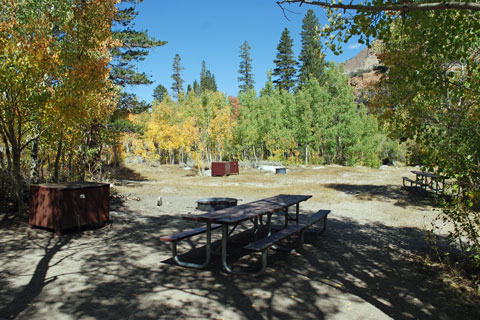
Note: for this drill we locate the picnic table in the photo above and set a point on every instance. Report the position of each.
(255, 212)
(427, 180)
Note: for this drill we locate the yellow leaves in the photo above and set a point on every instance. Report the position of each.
(190, 133)
(34, 58)
(195, 126)
(221, 126)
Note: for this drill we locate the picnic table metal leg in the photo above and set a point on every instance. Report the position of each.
(224, 248)
(315, 232)
(191, 264)
(227, 268)
(324, 225)
(297, 212)
(269, 224)
(302, 240)
(256, 228)
(287, 216)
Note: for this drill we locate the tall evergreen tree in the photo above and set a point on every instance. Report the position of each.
(212, 82)
(135, 48)
(285, 62)
(245, 70)
(207, 79)
(312, 59)
(196, 88)
(177, 85)
(203, 76)
(159, 93)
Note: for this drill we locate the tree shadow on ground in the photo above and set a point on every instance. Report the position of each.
(403, 197)
(127, 177)
(12, 248)
(23, 299)
(365, 267)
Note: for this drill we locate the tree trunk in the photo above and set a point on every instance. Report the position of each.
(34, 164)
(2, 160)
(115, 152)
(199, 163)
(306, 155)
(339, 151)
(18, 181)
(57, 158)
(13, 152)
(15, 173)
(70, 168)
(83, 160)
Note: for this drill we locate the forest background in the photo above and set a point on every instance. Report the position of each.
(64, 115)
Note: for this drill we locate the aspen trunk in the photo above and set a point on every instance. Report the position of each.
(57, 158)
(34, 165)
(115, 152)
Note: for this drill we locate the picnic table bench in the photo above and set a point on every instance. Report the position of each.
(413, 183)
(253, 211)
(264, 244)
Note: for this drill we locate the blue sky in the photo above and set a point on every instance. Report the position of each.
(213, 30)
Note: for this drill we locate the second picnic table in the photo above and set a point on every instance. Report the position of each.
(428, 180)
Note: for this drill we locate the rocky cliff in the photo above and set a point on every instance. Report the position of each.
(361, 70)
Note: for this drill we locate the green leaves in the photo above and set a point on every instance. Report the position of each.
(427, 96)
(319, 123)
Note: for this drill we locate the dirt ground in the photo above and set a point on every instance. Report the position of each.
(367, 265)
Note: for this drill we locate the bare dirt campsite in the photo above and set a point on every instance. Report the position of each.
(369, 264)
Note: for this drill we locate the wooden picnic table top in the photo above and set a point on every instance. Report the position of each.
(250, 210)
(423, 174)
(427, 174)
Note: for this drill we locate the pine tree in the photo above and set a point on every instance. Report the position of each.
(135, 48)
(213, 82)
(311, 57)
(196, 88)
(246, 75)
(286, 65)
(203, 76)
(159, 93)
(207, 79)
(177, 85)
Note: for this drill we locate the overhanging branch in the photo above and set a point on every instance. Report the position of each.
(402, 7)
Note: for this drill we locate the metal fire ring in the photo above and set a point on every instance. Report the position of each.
(209, 204)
